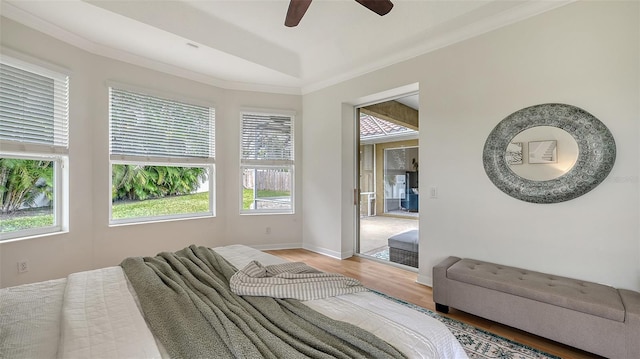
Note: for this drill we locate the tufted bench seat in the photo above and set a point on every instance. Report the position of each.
(593, 317)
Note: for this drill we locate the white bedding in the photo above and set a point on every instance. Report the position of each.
(100, 318)
(415, 334)
(30, 319)
(94, 315)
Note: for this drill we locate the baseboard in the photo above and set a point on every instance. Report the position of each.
(425, 280)
(328, 252)
(276, 246)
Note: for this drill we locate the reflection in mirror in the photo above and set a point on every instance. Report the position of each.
(542, 153)
(596, 153)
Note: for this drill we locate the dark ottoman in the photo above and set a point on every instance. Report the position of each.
(403, 248)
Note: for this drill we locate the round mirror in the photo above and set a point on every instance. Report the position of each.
(549, 153)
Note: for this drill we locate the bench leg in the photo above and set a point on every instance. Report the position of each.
(442, 308)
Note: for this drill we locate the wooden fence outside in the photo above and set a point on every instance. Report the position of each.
(267, 180)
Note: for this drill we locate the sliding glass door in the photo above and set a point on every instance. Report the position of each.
(387, 179)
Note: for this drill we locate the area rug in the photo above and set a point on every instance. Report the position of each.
(380, 253)
(477, 343)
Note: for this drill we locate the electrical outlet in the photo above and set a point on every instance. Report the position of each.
(23, 266)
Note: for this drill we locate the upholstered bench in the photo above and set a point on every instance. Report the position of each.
(403, 248)
(593, 317)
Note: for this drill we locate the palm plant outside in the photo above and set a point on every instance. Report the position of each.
(136, 182)
(166, 186)
(23, 181)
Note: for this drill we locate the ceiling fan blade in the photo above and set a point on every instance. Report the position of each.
(296, 11)
(380, 7)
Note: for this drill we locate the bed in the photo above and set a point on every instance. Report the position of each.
(108, 313)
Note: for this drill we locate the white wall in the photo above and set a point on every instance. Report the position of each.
(91, 243)
(586, 54)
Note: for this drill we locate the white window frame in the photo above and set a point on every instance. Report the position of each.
(208, 163)
(57, 152)
(288, 164)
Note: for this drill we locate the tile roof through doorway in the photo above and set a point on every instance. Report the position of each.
(373, 127)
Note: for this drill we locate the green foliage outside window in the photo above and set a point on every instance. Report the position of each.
(23, 181)
(137, 182)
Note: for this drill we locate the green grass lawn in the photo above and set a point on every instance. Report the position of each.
(247, 196)
(25, 222)
(192, 203)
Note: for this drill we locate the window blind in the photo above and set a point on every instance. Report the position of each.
(267, 137)
(34, 105)
(148, 126)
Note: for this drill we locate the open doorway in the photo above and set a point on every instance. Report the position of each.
(388, 167)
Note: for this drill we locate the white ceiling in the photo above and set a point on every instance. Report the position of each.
(243, 44)
(411, 101)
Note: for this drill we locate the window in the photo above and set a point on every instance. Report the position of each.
(162, 158)
(267, 163)
(34, 118)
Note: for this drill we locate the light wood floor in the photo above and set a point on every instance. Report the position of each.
(401, 284)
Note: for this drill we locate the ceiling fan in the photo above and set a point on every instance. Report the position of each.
(297, 8)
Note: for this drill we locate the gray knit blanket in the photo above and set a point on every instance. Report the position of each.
(291, 280)
(187, 302)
